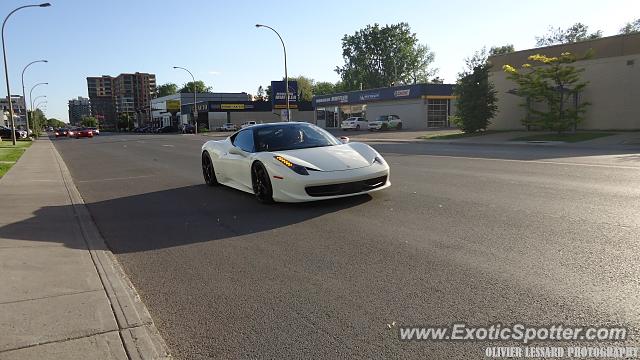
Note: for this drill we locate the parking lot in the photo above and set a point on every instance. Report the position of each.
(475, 234)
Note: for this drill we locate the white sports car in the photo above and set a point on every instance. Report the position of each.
(293, 162)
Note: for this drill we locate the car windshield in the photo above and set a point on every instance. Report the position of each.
(291, 136)
(382, 118)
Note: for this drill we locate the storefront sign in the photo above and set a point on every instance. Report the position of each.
(172, 105)
(402, 93)
(232, 106)
(369, 96)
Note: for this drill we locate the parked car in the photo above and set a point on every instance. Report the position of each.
(228, 127)
(167, 129)
(386, 122)
(248, 123)
(95, 130)
(5, 132)
(61, 132)
(83, 132)
(354, 123)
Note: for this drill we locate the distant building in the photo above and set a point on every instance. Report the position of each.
(19, 110)
(79, 108)
(100, 89)
(125, 94)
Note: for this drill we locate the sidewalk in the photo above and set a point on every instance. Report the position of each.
(62, 294)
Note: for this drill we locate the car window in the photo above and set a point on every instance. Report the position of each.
(244, 140)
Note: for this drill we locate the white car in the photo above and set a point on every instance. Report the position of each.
(354, 123)
(228, 127)
(386, 122)
(248, 123)
(293, 162)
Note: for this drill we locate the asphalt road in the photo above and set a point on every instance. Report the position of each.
(476, 234)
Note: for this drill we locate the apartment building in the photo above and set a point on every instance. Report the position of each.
(128, 94)
(79, 108)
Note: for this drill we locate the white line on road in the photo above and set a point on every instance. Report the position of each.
(537, 162)
(168, 145)
(116, 179)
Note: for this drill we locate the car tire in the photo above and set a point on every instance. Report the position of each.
(384, 127)
(357, 127)
(261, 183)
(399, 126)
(208, 172)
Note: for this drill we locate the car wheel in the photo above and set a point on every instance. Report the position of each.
(384, 127)
(208, 171)
(261, 183)
(357, 127)
(399, 126)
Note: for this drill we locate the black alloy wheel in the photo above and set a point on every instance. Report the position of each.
(261, 183)
(207, 170)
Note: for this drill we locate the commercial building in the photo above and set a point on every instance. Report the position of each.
(78, 109)
(420, 106)
(19, 111)
(612, 73)
(127, 94)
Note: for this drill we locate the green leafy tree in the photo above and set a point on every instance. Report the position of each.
(199, 86)
(54, 123)
(125, 122)
(89, 121)
(323, 88)
(501, 50)
(554, 83)
(477, 99)
(381, 56)
(575, 33)
(631, 27)
(167, 89)
(260, 94)
(305, 87)
(267, 93)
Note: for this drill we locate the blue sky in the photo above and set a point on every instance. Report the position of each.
(217, 40)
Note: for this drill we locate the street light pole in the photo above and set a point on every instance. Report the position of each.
(195, 98)
(286, 75)
(31, 93)
(24, 96)
(6, 70)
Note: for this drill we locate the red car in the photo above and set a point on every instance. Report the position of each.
(88, 133)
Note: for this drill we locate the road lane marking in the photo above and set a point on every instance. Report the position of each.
(168, 145)
(117, 179)
(536, 161)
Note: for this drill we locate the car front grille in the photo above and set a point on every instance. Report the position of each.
(346, 188)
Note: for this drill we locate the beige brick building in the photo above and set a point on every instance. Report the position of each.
(613, 73)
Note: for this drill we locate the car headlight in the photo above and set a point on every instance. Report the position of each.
(295, 167)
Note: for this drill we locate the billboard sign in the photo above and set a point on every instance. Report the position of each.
(172, 105)
(279, 96)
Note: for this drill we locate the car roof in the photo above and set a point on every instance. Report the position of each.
(290, 123)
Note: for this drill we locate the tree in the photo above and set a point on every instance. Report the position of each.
(305, 87)
(323, 88)
(260, 95)
(631, 27)
(125, 122)
(477, 97)
(575, 33)
(54, 123)
(167, 89)
(89, 121)
(381, 56)
(199, 87)
(501, 50)
(554, 83)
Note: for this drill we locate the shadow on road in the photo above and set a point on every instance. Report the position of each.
(195, 214)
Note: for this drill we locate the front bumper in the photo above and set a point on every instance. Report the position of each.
(348, 126)
(291, 187)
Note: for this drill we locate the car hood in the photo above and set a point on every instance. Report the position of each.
(332, 158)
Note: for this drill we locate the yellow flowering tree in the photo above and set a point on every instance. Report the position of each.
(550, 88)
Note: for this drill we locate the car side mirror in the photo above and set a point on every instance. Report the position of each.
(236, 151)
(344, 139)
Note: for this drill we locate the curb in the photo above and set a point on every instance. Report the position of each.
(138, 333)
